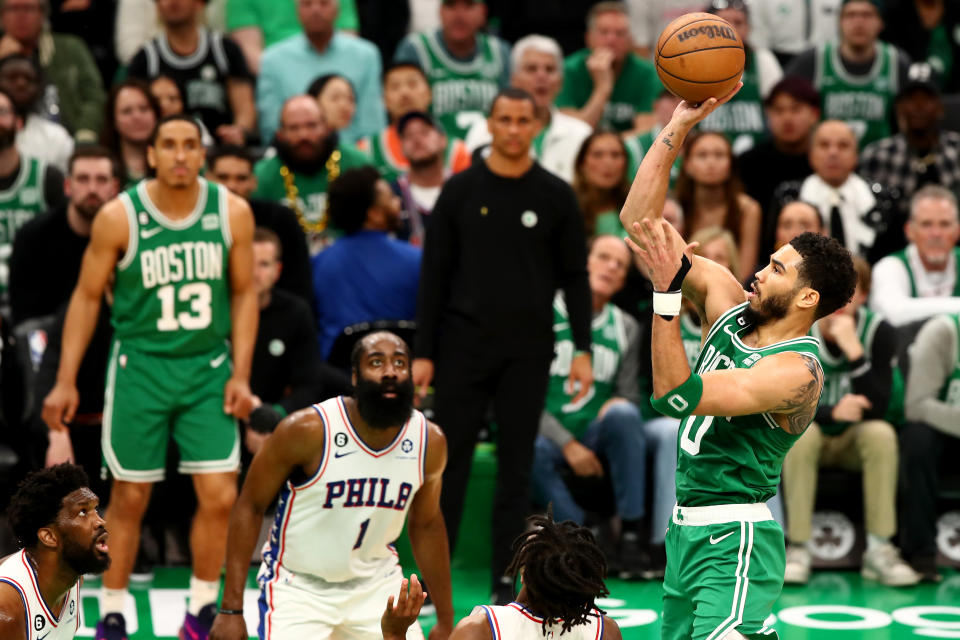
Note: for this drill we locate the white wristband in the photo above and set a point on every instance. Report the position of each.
(667, 303)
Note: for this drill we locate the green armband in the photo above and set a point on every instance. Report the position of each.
(681, 401)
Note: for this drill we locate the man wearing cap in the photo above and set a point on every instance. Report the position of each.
(465, 67)
(741, 119)
(423, 143)
(859, 76)
(792, 109)
(406, 89)
(921, 153)
(537, 68)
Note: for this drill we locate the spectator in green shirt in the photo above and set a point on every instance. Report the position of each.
(257, 24)
(309, 156)
(607, 84)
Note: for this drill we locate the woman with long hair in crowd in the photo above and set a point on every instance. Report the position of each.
(132, 113)
(711, 194)
(600, 182)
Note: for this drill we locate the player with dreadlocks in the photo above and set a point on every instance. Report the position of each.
(562, 572)
(54, 516)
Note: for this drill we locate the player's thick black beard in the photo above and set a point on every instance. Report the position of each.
(83, 560)
(7, 136)
(380, 412)
(771, 308)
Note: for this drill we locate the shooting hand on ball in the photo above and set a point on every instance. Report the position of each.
(688, 115)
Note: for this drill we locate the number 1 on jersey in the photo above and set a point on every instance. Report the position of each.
(363, 532)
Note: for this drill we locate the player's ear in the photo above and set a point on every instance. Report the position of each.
(151, 156)
(809, 298)
(48, 537)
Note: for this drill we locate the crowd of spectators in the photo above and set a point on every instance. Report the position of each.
(453, 171)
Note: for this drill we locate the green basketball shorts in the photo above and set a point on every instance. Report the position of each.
(725, 568)
(150, 397)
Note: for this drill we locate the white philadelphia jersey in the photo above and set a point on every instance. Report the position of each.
(341, 523)
(17, 572)
(516, 622)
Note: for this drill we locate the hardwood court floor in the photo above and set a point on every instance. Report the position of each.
(834, 606)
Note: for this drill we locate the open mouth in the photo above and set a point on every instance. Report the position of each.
(101, 544)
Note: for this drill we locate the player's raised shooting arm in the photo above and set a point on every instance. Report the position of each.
(428, 532)
(12, 623)
(108, 240)
(786, 385)
(296, 443)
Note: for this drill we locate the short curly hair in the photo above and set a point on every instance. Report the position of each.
(39, 498)
(827, 268)
(350, 196)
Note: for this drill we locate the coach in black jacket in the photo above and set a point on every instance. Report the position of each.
(504, 235)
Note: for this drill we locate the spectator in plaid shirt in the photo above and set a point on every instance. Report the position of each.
(921, 153)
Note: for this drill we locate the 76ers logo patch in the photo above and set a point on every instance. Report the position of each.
(340, 439)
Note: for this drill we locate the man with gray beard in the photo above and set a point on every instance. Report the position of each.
(48, 250)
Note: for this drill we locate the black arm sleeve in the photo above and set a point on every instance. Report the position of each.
(303, 379)
(439, 249)
(53, 188)
(804, 65)
(571, 260)
(874, 376)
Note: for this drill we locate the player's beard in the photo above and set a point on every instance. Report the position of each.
(378, 411)
(88, 207)
(85, 559)
(767, 309)
(7, 136)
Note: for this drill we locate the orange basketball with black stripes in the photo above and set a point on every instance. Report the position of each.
(699, 56)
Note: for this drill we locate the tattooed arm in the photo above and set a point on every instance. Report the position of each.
(786, 385)
(649, 189)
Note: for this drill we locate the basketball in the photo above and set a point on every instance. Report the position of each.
(699, 56)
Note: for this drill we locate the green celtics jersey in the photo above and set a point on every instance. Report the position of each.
(902, 257)
(864, 102)
(950, 392)
(462, 91)
(727, 460)
(691, 335)
(607, 346)
(172, 289)
(19, 204)
(633, 92)
(741, 119)
(308, 193)
(637, 147)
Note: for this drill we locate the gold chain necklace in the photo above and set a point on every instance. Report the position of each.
(333, 172)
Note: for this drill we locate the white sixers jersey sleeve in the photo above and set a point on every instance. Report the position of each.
(341, 523)
(516, 622)
(17, 572)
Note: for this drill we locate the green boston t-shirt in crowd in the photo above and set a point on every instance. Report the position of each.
(634, 91)
(278, 20)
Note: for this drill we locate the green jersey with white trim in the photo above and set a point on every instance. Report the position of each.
(733, 460)
(608, 343)
(172, 290)
(863, 102)
(462, 91)
(19, 204)
(950, 392)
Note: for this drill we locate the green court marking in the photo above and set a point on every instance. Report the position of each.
(834, 606)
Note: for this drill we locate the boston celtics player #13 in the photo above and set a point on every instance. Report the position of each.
(179, 252)
(752, 394)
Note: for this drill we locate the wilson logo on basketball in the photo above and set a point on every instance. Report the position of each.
(710, 31)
